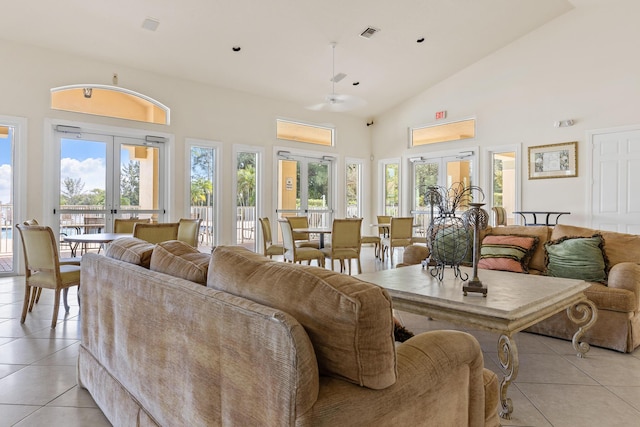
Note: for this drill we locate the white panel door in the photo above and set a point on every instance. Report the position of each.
(616, 180)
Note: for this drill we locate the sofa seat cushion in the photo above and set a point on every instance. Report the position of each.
(179, 259)
(605, 298)
(130, 249)
(507, 253)
(349, 322)
(577, 258)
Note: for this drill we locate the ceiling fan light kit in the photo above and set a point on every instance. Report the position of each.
(334, 101)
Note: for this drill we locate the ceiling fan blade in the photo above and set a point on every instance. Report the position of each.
(338, 103)
(317, 107)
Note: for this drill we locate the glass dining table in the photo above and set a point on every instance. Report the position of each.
(83, 240)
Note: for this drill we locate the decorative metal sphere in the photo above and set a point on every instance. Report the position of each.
(476, 215)
(433, 197)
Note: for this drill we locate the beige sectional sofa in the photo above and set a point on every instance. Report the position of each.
(617, 298)
(264, 343)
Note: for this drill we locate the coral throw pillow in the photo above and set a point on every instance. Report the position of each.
(507, 252)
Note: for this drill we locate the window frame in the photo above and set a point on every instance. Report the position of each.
(217, 186)
(259, 152)
(360, 162)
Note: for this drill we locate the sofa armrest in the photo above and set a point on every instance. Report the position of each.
(626, 275)
(440, 382)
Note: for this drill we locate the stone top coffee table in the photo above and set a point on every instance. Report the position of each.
(514, 302)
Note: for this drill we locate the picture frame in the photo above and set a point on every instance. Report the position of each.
(553, 161)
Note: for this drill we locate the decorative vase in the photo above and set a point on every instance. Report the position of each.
(449, 243)
(449, 235)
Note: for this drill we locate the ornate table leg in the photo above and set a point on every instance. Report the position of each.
(508, 356)
(583, 309)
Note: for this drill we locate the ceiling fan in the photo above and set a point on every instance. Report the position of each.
(335, 101)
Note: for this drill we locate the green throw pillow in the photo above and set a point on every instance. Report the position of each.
(577, 258)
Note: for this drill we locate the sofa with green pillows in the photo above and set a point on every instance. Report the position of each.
(609, 260)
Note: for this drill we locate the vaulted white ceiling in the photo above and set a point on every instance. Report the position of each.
(285, 44)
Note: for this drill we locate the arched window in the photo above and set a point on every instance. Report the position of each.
(109, 101)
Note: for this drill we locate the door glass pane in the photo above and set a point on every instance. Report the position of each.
(139, 178)
(83, 186)
(391, 189)
(6, 199)
(459, 171)
(318, 190)
(425, 175)
(504, 183)
(288, 186)
(246, 185)
(354, 174)
(304, 189)
(202, 196)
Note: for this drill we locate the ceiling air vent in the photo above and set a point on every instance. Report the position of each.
(369, 32)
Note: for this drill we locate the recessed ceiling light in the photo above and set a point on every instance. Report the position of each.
(150, 24)
(236, 48)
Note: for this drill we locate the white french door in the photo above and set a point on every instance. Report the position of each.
(102, 177)
(441, 171)
(12, 192)
(615, 171)
(305, 188)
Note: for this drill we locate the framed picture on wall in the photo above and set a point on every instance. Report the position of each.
(553, 161)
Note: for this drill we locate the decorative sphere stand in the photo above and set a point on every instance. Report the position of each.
(479, 219)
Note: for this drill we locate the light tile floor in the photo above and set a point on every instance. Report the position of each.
(553, 388)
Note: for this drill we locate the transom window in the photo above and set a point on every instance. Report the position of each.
(109, 101)
(452, 131)
(300, 132)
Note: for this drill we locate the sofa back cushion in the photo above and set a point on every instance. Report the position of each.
(180, 259)
(618, 247)
(130, 249)
(537, 260)
(349, 321)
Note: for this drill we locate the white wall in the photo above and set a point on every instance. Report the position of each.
(197, 111)
(583, 66)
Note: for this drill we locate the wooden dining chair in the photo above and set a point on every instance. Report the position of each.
(125, 225)
(73, 260)
(345, 243)
(188, 230)
(400, 233)
(383, 231)
(43, 269)
(295, 254)
(156, 233)
(499, 216)
(268, 247)
(302, 239)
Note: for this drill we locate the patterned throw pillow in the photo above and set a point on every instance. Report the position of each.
(577, 258)
(507, 252)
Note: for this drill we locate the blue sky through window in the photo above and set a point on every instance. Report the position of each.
(83, 159)
(5, 167)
